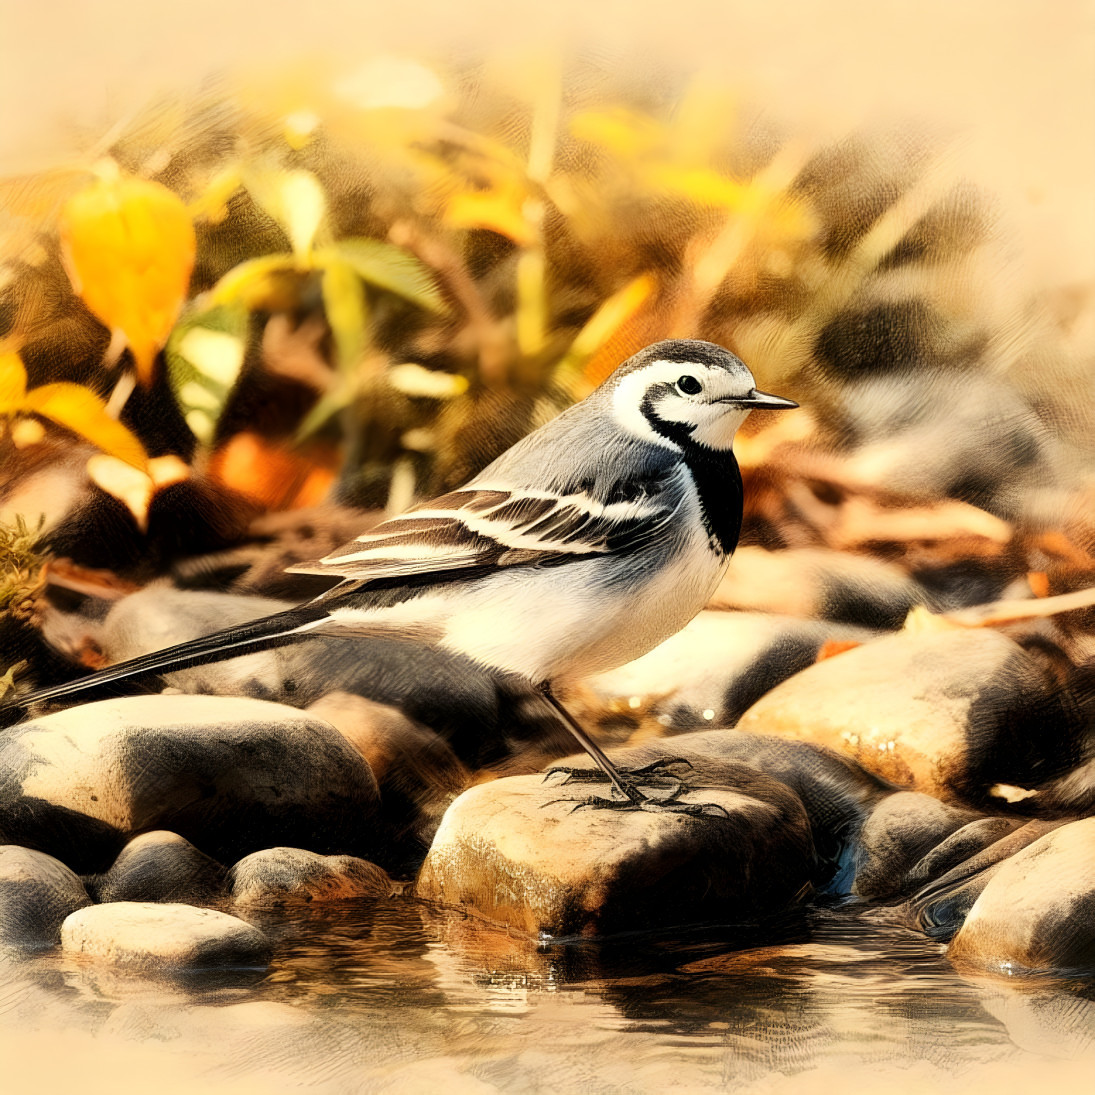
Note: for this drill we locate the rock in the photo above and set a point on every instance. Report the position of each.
(446, 692)
(418, 773)
(37, 892)
(944, 432)
(517, 851)
(820, 584)
(163, 936)
(1037, 913)
(230, 775)
(720, 664)
(897, 834)
(960, 846)
(952, 712)
(837, 793)
(162, 866)
(940, 908)
(279, 876)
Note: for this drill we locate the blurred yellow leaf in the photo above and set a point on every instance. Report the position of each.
(422, 383)
(698, 184)
(295, 199)
(70, 405)
(129, 249)
(623, 132)
(270, 283)
(608, 319)
(84, 413)
(13, 383)
(304, 206)
(499, 209)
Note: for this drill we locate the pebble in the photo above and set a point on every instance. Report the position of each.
(37, 892)
(160, 937)
(280, 876)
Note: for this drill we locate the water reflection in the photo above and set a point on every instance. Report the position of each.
(401, 996)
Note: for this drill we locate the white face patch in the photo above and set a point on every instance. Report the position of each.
(712, 423)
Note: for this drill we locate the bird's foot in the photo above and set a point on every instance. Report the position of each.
(658, 769)
(668, 805)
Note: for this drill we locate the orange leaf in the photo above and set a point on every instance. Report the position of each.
(83, 412)
(13, 383)
(129, 249)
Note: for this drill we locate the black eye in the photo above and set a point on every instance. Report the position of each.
(689, 385)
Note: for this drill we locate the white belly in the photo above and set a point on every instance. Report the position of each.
(567, 621)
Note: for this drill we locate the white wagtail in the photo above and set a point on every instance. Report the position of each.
(580, 548)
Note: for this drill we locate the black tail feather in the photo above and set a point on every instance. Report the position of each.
(266, 632)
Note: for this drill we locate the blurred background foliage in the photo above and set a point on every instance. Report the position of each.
(362, 288)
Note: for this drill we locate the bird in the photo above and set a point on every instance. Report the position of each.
(580, 548)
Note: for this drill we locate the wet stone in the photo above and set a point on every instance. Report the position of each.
(162, 866)
(960, 846)
(719, 665)
(284, 876)
(417, 771)
(901, 829)
(819, 583)
(837, 793)
(1037, 912)
(230, 775)
(518, 852)
(946, 713)
(163, 936)
(940, 908)
(37, 892)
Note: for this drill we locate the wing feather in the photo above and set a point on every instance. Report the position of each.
(487, 528)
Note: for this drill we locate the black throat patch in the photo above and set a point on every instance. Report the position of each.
(716, 475)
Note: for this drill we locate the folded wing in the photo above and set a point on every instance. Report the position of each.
(481, 529)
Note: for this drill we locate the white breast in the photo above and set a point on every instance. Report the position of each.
(570, 620)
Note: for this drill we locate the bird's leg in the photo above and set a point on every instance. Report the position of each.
(624, 780)
(627, 789)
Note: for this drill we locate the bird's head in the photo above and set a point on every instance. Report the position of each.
(685, 392)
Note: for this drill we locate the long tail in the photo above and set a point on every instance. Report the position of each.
(266, 632)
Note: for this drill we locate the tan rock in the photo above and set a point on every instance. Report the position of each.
(163, 936)
(720, 664)
(281, 876)
(944, 713)
(1037, 913)
(229, 774)
(819, 583)
(516, 851)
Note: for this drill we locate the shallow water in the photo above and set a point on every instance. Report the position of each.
(406, 999)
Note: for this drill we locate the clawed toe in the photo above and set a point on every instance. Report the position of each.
(669, 805)
(657, 769)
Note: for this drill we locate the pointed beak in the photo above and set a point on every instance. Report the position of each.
(762, 401)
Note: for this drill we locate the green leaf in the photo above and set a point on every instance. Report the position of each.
(387, 267)
(328, 405)
(347, 314)
(253, 281)
(204, 356)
